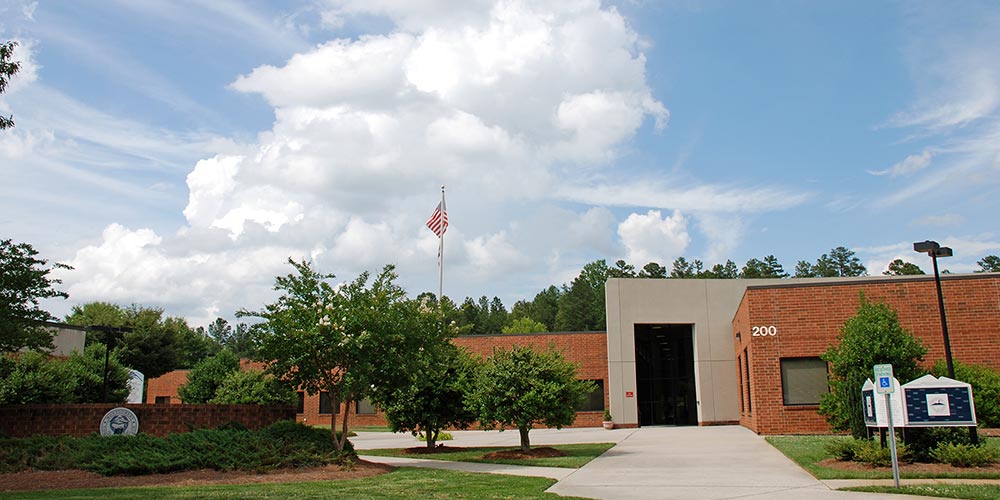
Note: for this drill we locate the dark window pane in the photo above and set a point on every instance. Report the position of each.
(746, 367)
(162, 400)
(328, 405)
(595, 400)
(300, 404)
(803, 380)
(365, 407)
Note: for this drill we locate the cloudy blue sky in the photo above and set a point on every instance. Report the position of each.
(177, 153)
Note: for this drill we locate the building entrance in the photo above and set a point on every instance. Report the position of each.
(664, 374)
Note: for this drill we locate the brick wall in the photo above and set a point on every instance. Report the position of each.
(588, 349)
(808, 318)
(158, 420)
(165, 386)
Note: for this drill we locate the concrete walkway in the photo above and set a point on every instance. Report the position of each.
(652, 462)
(698, 463)
(540, 437)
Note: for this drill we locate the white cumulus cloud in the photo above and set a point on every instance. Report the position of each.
(653, 237)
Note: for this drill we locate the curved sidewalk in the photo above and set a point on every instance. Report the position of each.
(513, 470)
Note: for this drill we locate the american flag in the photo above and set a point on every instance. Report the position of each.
(439, 220)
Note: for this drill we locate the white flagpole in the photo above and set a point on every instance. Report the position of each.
(441, 255)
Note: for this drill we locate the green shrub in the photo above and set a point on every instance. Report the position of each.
(34, 377)
(872, 336)
(253, 387)
(284, 444)
(442, 436)
(963, 455)
(922, 441)
(845, 449)
(205, 378)
(87, 370)
(873, 453)
(985, 383)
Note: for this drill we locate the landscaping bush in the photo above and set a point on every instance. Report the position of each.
(872, 336)
(31, 378)
(87, 370)
(963, 455)
(845, 449)
(253, 387)
(923, 441)
(442, 436)
(284, 444)
(873, 453)
(205, 378)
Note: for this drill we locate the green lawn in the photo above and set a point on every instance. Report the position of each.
(967, 491)
(405, 482)
(576, 455)
(808, 450)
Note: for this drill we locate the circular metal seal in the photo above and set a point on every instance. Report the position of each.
(119, 422)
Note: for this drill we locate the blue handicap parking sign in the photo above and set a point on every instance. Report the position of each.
(884, 382)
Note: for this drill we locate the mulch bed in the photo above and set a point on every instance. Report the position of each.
(544, 452)
(423, 450)
(516, 454)
(919, 468)
(66, 479)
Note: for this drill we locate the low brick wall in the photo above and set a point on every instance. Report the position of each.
(158, 420)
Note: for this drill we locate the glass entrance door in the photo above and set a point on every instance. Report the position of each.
(664, 372)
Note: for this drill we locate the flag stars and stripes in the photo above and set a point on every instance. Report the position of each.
(438, 222)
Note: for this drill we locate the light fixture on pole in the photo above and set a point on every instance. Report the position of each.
(935, 250)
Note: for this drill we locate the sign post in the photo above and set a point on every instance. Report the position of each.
(883, 385)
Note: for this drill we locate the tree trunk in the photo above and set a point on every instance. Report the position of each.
(431, 436)
(333, 431)
(343, 429)
(525, 443)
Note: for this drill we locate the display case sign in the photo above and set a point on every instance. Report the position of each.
(868, 403)
(874, 402)
(944, 402)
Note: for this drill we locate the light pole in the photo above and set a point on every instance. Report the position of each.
(935, 250)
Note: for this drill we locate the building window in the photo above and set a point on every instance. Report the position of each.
(803, 380)
(595, 400)
(365, 407)
(739, 379)
(162, 400)
(746, 378)
(300, 402)
(328, 405)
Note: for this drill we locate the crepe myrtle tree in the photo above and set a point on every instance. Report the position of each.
(348, 340)
(434, 395)
(521, 387)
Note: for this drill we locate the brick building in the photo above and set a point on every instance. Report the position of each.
(588, 349)
(684, 352)
(781, 329)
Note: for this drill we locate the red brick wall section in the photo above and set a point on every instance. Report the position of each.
(158, 420)
(589, 349)
(808, 319)
(166, 386)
